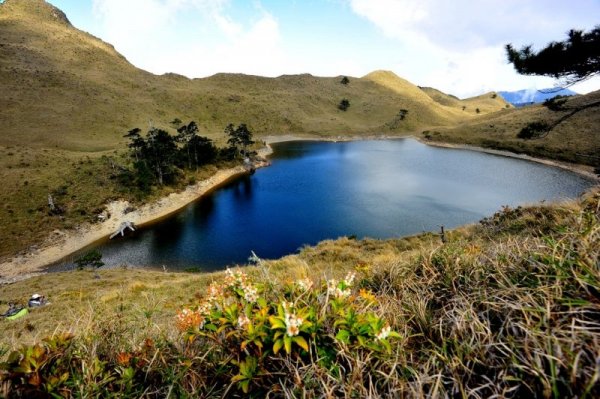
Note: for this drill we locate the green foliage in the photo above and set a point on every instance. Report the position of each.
(92, 259)
(239, 138)
(261, 328)
(344, 105)
(40, 369)
(160, 157)
(198, 150)
(345, 80)
(534, 130)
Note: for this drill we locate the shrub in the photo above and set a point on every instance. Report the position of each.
(533, 130)
(555, 103)
(344, 105)
(345, 80)
(92, 259)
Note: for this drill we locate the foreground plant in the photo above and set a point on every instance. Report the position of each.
(263, 330)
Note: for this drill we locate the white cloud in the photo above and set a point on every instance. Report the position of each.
(459, 45)
(191, 37)
(454, 46)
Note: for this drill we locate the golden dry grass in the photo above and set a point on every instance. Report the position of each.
(575, 140)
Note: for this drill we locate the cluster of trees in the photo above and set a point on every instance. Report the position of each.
(159, 157)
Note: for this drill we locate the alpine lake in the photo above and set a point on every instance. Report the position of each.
(323, 190)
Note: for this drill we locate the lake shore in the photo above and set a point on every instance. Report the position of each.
(61, 244)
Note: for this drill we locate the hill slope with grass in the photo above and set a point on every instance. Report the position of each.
(570, 130)
(62, 80)
(507, 308)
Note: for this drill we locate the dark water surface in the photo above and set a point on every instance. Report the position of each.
(318, 190)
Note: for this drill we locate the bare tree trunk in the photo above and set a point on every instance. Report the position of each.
(51, 203)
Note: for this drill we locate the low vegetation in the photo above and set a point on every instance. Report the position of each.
(508, 307)
(534, 130)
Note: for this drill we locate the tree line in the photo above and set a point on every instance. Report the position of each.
(160, 158)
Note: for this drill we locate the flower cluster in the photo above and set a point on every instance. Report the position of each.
(250, 293)
(239, 280)
(304, 284)
(292, 324)
(292, 321)
(341, 289)
(243, 321)
(187, 319)
(235, 278)
(349, 280)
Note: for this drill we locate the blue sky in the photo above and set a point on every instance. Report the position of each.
(455, 46)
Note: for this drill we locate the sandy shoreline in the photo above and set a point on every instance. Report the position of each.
(62, 244)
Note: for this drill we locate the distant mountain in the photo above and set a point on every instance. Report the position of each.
(520, 98)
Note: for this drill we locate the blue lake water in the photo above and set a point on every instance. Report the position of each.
(319, 190)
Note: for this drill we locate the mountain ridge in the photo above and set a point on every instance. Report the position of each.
(533, 96)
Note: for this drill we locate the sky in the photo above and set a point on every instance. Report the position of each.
(456, 46)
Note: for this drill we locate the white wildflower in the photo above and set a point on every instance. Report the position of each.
(349, 280)
(384, 333)
(293, 324)
(332, 286)
(304, 284)
(250, 293)
(340, 293)
(243, 321)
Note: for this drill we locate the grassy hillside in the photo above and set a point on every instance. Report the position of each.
(508, 307)
(68, 98)
(486, 103)
(576, 139)
(59, 79)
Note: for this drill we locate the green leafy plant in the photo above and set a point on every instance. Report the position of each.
(261, 329)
